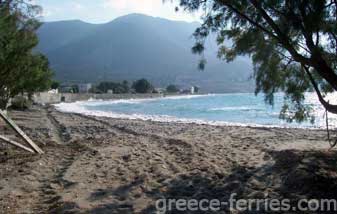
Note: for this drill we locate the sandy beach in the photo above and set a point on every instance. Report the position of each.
(104, 165)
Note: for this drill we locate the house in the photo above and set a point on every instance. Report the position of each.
(191, 90)
(84, 87)
(160, 90)
(66, 89)
(53, 91)
(185, 91)
(194, 89)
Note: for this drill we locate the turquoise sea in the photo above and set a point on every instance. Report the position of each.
(216, 109)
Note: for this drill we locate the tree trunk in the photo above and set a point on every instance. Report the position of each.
(329, 107)
(4, 103)
(325, 71)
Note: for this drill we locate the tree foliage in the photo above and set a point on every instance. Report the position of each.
(142, 86)
(55, 85)
(74, 89)
(293, 45)
(172, 89)
(116, 87)
(21, 70)
(37, 76)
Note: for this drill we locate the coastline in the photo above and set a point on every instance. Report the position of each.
(78, 107)
(45, 98)
(97, 164)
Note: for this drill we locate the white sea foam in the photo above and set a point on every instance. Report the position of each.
(99, 102)
(231, 108)
(187, 96)
(80, 108)
(88, 108)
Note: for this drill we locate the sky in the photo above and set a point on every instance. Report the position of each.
(102, 11)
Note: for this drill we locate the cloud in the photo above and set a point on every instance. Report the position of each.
(101, 11)
(149, 7)
(114, 4)
(133, 5)
(77, 6)
(47, 13)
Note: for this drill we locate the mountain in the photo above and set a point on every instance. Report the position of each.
(138, 46)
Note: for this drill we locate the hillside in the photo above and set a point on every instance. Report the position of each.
(136, 46)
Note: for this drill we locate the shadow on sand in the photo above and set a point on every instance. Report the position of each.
(291, 174)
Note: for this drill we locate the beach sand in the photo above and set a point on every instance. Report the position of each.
(104, 165)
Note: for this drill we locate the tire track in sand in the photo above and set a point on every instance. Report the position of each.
(49, 193)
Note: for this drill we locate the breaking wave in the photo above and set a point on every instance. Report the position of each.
(212, 109)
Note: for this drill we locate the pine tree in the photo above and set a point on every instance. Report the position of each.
(21, 70)
(293, 45)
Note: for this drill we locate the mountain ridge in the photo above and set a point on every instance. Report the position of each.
(133, 47)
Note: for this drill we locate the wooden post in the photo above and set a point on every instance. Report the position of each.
(15, 144)
(21, 133)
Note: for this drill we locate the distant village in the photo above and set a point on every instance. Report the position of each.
(139, 86)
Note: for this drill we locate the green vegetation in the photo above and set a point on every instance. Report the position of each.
(55, 85)
(293, 45)
(172, 89)
(196, 89)
(116, 88)
(74, 89)
(22, 71)
(139, 86)
(142, 86)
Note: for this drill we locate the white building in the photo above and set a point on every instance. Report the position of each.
(84, 88)
(53, 91)
(192, 90)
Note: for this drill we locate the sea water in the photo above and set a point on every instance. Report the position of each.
(244, 109)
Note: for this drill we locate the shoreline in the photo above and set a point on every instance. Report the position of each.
(45, 98)
(196, 122)
(104, 165)
(192, 122)
(70, 108)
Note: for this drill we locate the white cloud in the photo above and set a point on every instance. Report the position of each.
(133, 5)
(101, 11)
(149, 7)
(77, 6)
(47, 13)
(114, 4)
